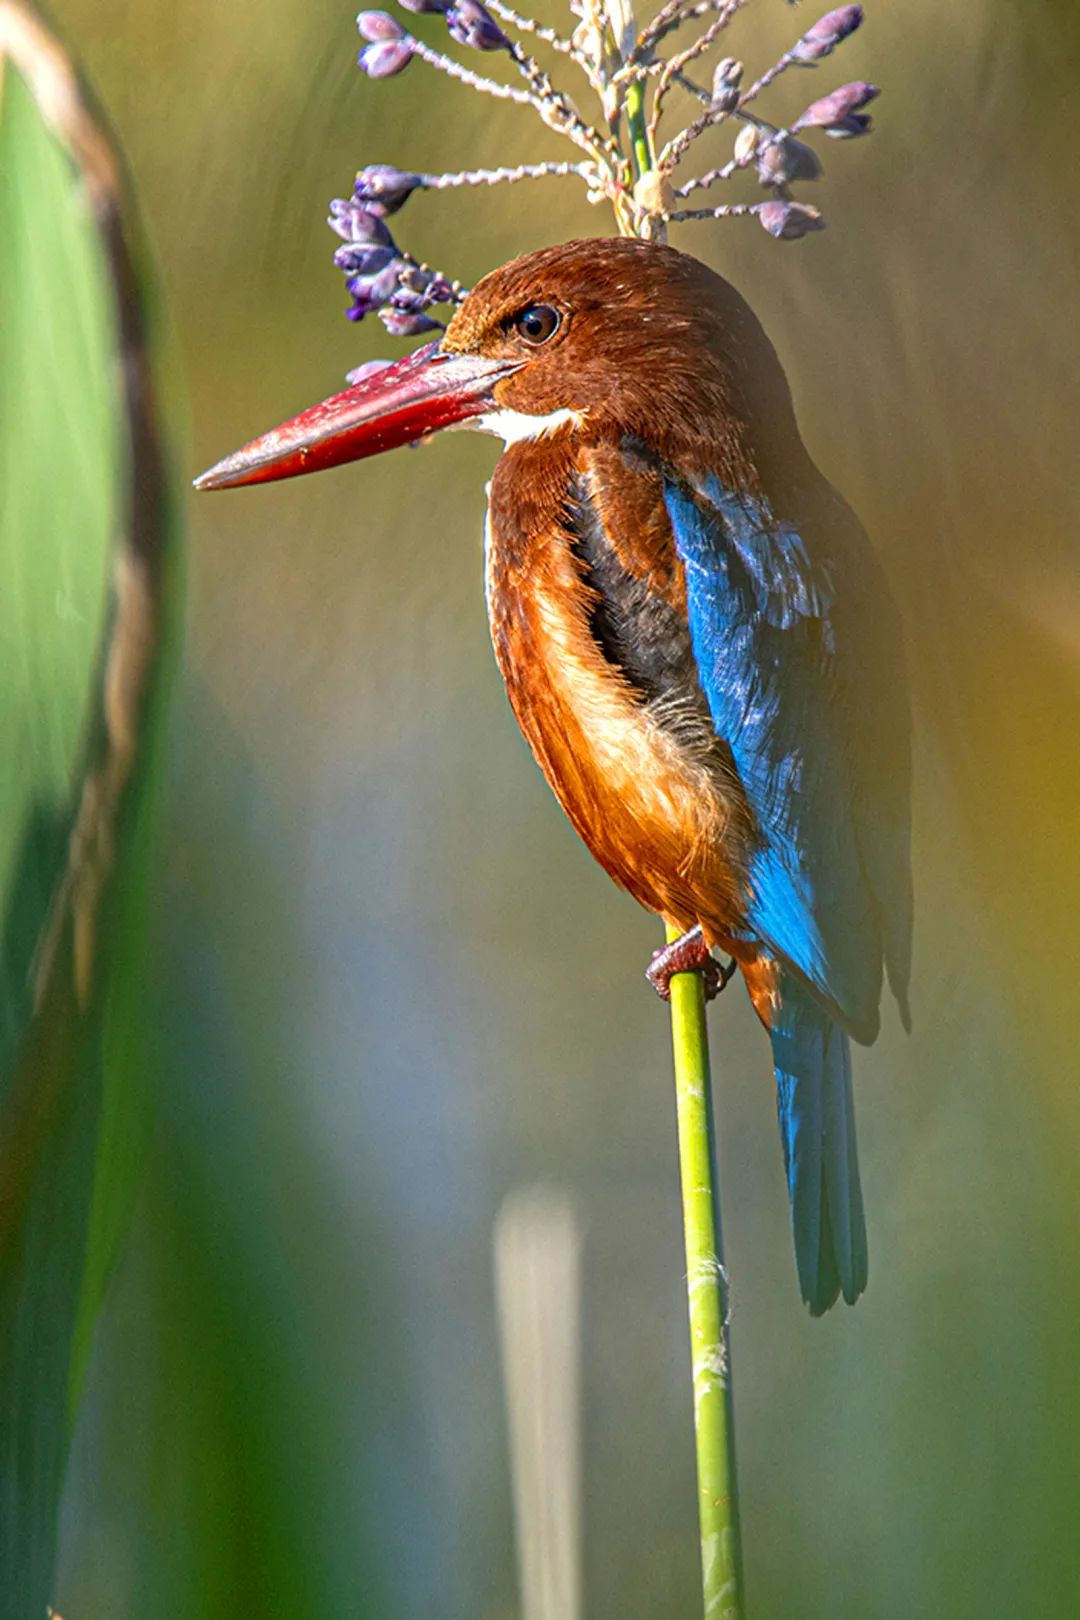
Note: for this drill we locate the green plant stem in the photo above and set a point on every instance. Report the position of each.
(706, 1281)
(635, 123)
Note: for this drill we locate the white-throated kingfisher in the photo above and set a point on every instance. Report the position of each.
(698, 644)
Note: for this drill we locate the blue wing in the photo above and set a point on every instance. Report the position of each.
(798, 654)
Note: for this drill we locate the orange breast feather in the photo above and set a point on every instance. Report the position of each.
(647, 802)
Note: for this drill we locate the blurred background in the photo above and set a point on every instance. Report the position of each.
(394, 988)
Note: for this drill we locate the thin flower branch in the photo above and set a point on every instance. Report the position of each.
(752, 145)
(781, 218)
(684, 58)
(638, 72)
(475, 81)
(548, 36)
(668, 18)
(558, 111)
(494, 177)
(724, 211)
(698, 91)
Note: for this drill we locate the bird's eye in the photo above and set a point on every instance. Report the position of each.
(538, 323)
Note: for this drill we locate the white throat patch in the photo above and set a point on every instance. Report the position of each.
(515, 426)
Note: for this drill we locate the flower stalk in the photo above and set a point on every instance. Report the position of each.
(638, 130)
(707, 1294)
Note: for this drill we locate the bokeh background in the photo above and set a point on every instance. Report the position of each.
(393, 988)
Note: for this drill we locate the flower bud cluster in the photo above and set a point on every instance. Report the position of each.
(379, 277)
(778, 157)
(625, 162)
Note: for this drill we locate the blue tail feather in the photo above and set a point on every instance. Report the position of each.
(816, 1108)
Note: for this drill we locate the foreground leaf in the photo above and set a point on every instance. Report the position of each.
(84, 562)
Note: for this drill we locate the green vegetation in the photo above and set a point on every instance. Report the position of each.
(84, 560)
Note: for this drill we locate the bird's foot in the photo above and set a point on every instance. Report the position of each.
(689, 954)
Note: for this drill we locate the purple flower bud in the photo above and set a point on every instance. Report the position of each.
(385, 58)
(355, 223)
(380, 288)
(782, 162)
(854, 124)
(408, 302)
(725, 85)
(439, 291)
(833, 109)
(828, 32)
(472, 24)
(372, 292)
(357, 259)
(423, 5)
(383, 188)
(416, 293)
(379, 25)
(747, 142)
(370, 368)
(787, 221)
(400, 324)
(421, 287)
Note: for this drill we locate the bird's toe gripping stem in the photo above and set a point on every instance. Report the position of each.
(689, 954)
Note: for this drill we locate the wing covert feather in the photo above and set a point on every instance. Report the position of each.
(798, 654)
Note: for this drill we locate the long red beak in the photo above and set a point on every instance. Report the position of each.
(406, 401)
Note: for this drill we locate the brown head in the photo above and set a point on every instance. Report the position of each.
(632, 338)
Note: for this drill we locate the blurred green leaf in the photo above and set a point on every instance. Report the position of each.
(83, 630)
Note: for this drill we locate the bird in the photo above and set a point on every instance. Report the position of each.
(699, 645)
